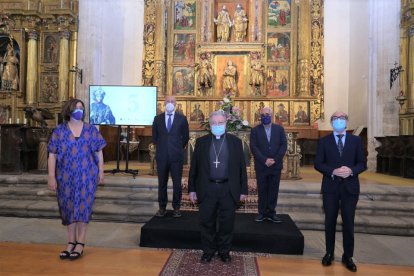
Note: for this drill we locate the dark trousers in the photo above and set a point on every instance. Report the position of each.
(163, 170)
(268, 191)
(219, 207)
(331, 204)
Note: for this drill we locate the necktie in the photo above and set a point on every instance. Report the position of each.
(169, 123)
(340, 144)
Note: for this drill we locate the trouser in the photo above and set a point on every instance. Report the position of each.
(346, 202)
(268, 191)
(219, 207)
(176, 170)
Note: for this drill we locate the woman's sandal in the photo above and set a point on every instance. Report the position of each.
(65, 254)
(75, 254)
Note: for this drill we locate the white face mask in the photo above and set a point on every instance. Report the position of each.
(169, 107)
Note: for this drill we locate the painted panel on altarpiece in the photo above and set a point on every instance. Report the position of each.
(278, 81)
(51, 48)
(197, 112)
(184, 48)
(300, 113)
(278, 47)
(185, 15)
(279, 13)
(256, 107)
(183, 81)
(49, 88)
(281, 111)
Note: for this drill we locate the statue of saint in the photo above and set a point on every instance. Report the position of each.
(230, 79)
(205, 72)
(257, 73)
(224, 24)
(240, 23)
(10, 74)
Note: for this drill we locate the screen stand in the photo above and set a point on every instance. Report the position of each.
(118, 150)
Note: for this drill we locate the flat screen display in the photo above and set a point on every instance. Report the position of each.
(122, 105)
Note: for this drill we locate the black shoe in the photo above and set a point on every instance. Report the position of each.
(327, 259)
(176, 213)
(225, 257)
(274, 218)
(65, 254)
(206, 257)
(260, 218)
(349, 264)
(76, 254)
(161, 212)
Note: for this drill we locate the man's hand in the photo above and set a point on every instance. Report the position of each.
(243, 198)
(343, 172)
(193, 197)
(269, 162)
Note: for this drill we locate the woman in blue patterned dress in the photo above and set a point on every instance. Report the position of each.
(75, 167)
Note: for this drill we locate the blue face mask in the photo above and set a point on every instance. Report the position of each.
(266, 119)
(218, 130)
(339, 125)
(77, 114)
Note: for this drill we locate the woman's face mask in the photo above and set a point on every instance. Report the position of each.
(77, 114)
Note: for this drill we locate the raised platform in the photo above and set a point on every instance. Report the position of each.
(249, 236)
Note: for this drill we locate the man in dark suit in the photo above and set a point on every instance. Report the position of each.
(170, 134)
(217, 181)
(340, 158)
(268, 145)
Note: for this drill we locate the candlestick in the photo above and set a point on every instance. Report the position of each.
(17, 120)
(25, 121)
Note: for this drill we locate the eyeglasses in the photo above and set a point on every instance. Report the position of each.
(218, 123)
(333, 118)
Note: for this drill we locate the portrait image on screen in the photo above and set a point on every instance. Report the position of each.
(122, 105)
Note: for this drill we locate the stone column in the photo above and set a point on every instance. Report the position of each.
(32, 76)
(64, 65)
(72, 63)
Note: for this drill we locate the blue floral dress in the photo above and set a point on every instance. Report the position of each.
(76, 170)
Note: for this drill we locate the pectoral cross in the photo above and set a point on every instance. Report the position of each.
(217, 162)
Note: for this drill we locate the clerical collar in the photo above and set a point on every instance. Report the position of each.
(218, 137)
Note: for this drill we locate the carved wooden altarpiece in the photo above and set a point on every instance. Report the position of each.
(276, 48)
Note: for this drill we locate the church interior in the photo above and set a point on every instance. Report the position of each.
(305, 59)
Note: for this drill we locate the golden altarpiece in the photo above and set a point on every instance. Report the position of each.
(261, 52)
(38, 41)
(406, 96)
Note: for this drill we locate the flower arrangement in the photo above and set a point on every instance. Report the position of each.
(234, 120)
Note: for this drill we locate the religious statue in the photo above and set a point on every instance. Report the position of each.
(256, 73)
(205, 73)
(230, 79)
(9, 74)
(240, 23)
(224, 24)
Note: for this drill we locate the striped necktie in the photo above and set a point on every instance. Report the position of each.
(340, 144)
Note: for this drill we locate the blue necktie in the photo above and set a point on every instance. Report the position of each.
(340, 144)
(169, 123)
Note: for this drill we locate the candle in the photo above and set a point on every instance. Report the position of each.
(9, 120)
(18, 121)
(25, 121)
(56, 118)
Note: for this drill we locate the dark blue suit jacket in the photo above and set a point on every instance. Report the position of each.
(170, 145)
(262, 149)
(327, 159)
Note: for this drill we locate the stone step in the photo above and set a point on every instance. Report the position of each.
(387, 225)
(287, 202)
